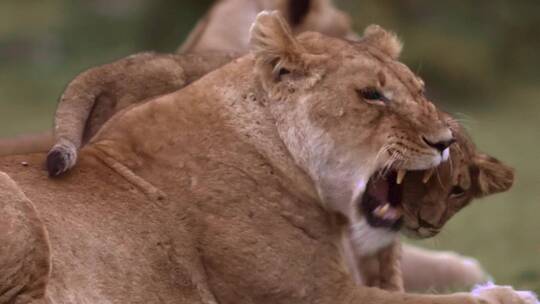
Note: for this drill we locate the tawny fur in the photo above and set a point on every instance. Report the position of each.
(225, 153)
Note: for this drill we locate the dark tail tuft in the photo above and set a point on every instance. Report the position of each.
(60, 159)
(56, 163)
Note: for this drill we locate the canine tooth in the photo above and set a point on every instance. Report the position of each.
(382, 210)
(427, 175)
(400, 176)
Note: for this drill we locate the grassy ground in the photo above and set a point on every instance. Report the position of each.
(503, 231)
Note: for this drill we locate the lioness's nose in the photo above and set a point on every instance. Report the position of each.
(440, 145)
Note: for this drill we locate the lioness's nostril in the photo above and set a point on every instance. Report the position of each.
(439, 145)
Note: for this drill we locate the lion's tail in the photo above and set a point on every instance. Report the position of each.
(61, 158)
(70, 121)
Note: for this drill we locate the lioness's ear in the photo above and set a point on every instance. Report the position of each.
(273, 43)
(490, 175)
(387, 42)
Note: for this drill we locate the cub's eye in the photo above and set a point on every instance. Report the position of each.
(371, 94)
(457, 191)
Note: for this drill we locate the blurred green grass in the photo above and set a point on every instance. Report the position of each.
(479, 60)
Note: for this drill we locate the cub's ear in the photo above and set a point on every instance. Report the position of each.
(385, 41)
(490, 175)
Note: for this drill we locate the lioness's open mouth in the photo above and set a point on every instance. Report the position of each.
(381, 203)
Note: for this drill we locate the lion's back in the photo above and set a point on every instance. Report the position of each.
(101, 230)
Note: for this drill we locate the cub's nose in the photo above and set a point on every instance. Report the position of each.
(439, 145)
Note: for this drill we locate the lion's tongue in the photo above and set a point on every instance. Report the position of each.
(386, 198)
(379, 190)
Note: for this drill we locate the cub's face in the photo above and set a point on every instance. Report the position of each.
(428, 203)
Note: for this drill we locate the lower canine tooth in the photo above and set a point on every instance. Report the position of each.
(400, 176)
(427, 175)
(381, 210)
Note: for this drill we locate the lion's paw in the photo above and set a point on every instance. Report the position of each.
(494, 294)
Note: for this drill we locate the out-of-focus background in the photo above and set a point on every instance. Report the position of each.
(480, 59)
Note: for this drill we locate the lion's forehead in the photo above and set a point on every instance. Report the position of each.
(410, 81)
(351, 55)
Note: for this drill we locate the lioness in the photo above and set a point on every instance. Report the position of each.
(271, 145)
(98, 93)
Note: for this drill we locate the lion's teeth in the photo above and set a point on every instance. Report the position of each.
(400, 176)
(427, 175)
(382, 210)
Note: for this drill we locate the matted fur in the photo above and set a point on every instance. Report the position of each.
(233, 180)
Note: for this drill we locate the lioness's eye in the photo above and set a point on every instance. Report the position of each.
(372, 94)
(457, 191)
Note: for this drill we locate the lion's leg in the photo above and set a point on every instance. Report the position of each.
(428, 270)
(390, 267)
(24, 251)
